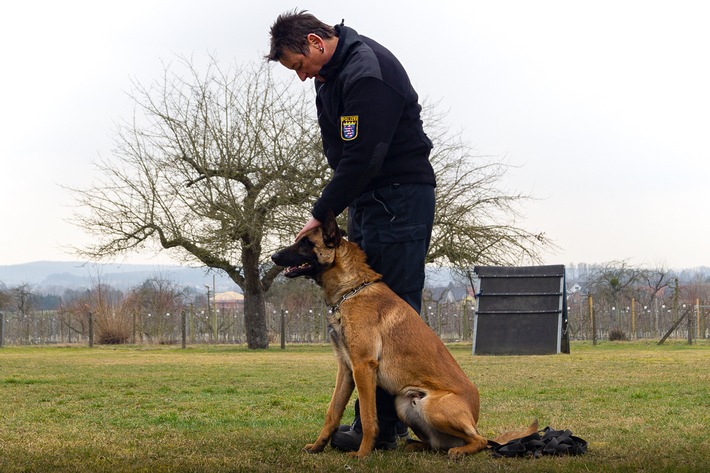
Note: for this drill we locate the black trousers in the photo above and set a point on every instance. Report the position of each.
(393, 226)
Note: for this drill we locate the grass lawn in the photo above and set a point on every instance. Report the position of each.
(642, 407)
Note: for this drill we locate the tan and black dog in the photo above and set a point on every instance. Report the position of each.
(380, 340)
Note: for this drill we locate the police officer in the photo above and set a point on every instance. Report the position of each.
(369, 117)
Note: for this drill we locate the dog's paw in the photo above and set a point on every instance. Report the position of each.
(358, 454)
(455, 455)
(313, 448)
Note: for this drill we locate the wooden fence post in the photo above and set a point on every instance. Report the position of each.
(676, 324)
(283, 330)
(2, 330)
(697, 318)
(591, 316)
(690, 328)
(633, 318)
(91, 330)
(184, 328)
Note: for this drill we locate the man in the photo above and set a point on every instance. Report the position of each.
(369, 116)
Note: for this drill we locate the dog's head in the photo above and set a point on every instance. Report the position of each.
(313, 253)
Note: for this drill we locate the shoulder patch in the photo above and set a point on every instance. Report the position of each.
(348, 127)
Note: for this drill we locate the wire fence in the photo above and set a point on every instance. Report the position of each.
(599, 319)
(450, 321)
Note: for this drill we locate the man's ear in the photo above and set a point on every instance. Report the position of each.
(314, 40)
(331, 232)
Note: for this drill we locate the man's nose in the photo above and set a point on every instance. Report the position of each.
(302, 76)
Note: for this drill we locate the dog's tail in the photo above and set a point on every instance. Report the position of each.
(508, 436)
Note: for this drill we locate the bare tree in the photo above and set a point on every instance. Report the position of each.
(612, 280)
(73, 316)
(657, 280)
(5, 297)
(24, 298)
(476, 219)
(157, 304)
(220, 166)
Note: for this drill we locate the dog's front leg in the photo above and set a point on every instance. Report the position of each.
(365, 376)
(344, 386)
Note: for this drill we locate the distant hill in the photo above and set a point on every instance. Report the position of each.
(52, 277)
(48, 275)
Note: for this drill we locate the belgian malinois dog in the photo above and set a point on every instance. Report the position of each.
(380, 340)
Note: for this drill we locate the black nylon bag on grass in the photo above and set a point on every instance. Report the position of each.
(547, 441)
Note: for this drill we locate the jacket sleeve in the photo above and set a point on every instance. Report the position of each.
(378, 109)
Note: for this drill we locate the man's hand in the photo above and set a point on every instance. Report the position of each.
(310, 225)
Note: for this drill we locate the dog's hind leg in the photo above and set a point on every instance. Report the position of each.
(344, 386)
(452, 416)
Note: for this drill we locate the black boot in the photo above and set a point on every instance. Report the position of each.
(349, 437)
(401, 429)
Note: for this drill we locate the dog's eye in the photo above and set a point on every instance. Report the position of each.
(305, 244)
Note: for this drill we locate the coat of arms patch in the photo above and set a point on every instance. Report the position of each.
(348, 127)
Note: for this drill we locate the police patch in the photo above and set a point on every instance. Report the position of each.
(348, 127)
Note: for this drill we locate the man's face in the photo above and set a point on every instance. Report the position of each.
(305, 66)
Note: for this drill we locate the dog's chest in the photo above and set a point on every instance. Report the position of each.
(337, 337)
(335, 328)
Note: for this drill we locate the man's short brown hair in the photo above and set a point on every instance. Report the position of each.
(290, 33)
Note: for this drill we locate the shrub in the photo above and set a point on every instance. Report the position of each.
(617, 335)
(113, 330)
(113, 337)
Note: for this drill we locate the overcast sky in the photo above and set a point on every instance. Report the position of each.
(603, 107)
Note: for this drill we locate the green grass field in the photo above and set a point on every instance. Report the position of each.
(642, 407)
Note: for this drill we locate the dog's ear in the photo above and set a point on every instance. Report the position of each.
(331, 232)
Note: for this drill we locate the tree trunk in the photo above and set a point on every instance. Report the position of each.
(255, 319)
(257, 332)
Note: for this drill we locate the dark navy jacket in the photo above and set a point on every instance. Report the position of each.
(368, 114)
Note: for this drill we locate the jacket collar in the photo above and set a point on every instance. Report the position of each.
(347, 39)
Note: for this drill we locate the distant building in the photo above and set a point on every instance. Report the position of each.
(451, 294)
(228, 300)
